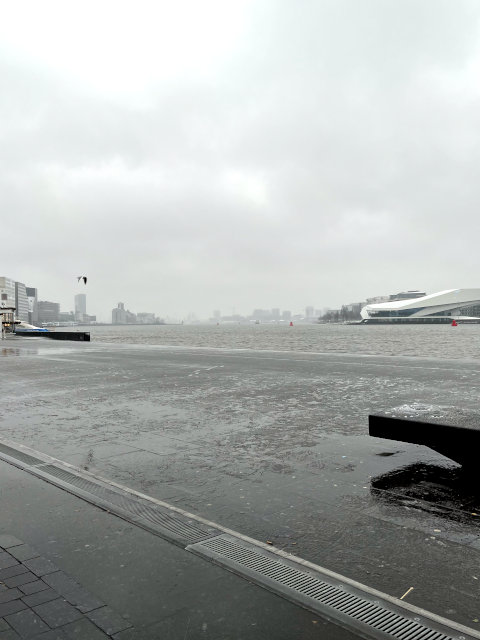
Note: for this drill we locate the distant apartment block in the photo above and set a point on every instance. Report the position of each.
(120, 315)
(262, 314)
(80, 307)
(48, 311)
(145, 318)
(14, 294)
(7, 292)
(32, 297)
(21, 301)
(66, 316)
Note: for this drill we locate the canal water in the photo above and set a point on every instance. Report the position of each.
(427, 341)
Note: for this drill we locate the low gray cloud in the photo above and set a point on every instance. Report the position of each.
(326, 152)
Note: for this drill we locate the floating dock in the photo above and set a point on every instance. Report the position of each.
(78, 336)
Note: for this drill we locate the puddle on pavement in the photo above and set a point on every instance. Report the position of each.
(447, 491)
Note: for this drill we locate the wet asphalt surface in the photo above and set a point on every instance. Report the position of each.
(274, 445)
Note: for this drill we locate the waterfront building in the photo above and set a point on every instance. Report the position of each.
(80, 307)
(441, 307)
(7, 292)
(21, 302)
(120, 315)
(266, 315)
(146, 318)
(48, 311)
(406, 295)
(67, 317)
(14, 294)
(32, 297)
(378, 299)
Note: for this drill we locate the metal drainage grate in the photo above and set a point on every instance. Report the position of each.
(18, 454)
(140, 511)
(327, 598)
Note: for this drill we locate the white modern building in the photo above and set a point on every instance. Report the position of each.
(463, 305)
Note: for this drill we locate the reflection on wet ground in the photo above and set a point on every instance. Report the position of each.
(273, 445)
(16, 351)
(450, 492)
(9, 351)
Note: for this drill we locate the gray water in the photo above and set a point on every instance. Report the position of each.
(437, 341)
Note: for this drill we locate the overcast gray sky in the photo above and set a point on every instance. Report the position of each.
(191, 156)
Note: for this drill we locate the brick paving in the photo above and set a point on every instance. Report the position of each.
(39, 601)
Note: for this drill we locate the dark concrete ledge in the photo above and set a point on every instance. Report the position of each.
(79, 336)
(451, 432)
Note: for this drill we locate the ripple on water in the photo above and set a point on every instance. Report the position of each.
(426, 341)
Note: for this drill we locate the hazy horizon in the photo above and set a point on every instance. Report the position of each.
(192, 156)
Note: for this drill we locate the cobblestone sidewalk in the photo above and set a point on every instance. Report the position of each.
(39, 601)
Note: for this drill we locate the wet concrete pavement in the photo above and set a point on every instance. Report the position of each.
(134, 585)
(271, 444)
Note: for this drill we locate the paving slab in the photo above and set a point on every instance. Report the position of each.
(57, 612)
(83, 630)
(23, 552)
(40, 566)
(33, 587)
(10, 594)
(40, 597)
(14, 570)
(6, 560)
(108, 620)
(6, 608)
(7, 541)
(26, 623)
(20, 579)
(10, 635)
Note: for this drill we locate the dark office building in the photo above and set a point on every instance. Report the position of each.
(48, 311)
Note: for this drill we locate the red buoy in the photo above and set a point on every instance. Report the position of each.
(454, 323)
(291, 323)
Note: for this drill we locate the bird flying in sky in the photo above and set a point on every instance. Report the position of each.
(84, 278)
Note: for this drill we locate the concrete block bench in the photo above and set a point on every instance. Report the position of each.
(454, 433)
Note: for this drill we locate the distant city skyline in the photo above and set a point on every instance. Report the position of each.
(239, 155)
(32, 307)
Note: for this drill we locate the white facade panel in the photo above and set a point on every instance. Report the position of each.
(448, 302)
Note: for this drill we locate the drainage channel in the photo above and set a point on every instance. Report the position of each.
(145, 513)
(365, 611)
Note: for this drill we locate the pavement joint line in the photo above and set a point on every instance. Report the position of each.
(412, 609)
